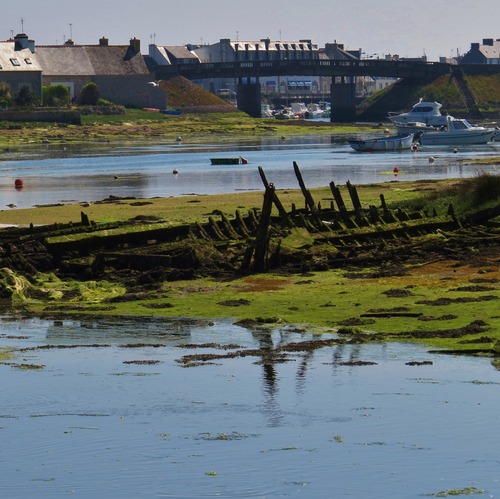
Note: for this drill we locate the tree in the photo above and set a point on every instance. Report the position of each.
(5, 96)
(55, 95)
(26, 97)
(90, 94)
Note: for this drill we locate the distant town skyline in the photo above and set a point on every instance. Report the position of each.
(435, 28)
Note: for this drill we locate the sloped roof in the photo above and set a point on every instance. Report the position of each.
(64, 60)
(90, 60)
(17, 60)
(491, 51)
(116, 60)
(179, 52)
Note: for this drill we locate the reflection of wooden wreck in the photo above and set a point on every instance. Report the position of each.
(310, 238)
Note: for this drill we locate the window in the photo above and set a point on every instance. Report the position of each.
(27, 60)
(14, 61)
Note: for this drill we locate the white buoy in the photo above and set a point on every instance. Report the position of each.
(431, 159)
(178, 139)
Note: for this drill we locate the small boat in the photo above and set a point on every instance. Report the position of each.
(394, 143)
(458, 132)
(266, 111)
(422, 112)
(239, 160)
(298, 109)
(313, 111)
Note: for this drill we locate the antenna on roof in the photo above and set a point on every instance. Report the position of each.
(70, 31)
(22, 25)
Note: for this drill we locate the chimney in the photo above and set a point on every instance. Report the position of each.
(488, 41)
(22, 42)
(135, 45)
(474, 46)
(103, 42)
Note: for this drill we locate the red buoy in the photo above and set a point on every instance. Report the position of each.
(396, 169)
(18, 183)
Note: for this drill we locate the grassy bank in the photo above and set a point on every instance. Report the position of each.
(139, 125)
(188, 209)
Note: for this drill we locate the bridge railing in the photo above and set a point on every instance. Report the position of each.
(324, 67)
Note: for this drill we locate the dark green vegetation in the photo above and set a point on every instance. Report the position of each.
(423, 269)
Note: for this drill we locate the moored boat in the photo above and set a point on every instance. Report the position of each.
(457, 132)
(239, 160)
(428, 113)
(393, 143)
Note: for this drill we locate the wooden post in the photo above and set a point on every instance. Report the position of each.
(262, 239)
(354, 196)
(307, 196)
(276, 201)
(337, 196)
(85, 219)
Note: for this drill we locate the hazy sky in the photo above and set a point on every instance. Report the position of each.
(410, 29)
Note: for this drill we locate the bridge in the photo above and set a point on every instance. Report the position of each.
(342, 95)
(343, 72)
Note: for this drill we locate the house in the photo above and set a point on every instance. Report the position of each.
(19, 66)
(171, 54)
(119, 71)
(227, 50)
(487, 52)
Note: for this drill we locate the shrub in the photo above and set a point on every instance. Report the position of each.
(5, 96)
(90, 94)
(26, 97)
(55, 95)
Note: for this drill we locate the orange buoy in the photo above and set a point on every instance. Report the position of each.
(18, 183)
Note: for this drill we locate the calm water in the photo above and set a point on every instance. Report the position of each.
(91, 425)
(61, 174)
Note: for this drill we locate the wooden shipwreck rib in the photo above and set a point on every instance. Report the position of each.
(257, 241)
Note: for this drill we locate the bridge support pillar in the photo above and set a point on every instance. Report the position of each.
(248, 97)
(343, 100)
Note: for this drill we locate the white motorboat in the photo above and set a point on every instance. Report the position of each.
(457, 132)
(394, 143)
(266, 111)
(422, 112)
(313, 111)
(299, 109)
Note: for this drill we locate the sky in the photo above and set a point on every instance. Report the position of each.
(378, 27)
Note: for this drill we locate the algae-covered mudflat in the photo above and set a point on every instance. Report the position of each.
(440, 288)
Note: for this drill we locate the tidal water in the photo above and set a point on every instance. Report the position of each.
(68, 173)
(108, 411)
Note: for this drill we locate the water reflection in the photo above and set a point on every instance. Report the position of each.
(103, 421)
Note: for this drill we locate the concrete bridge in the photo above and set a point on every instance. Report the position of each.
(343, 72)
